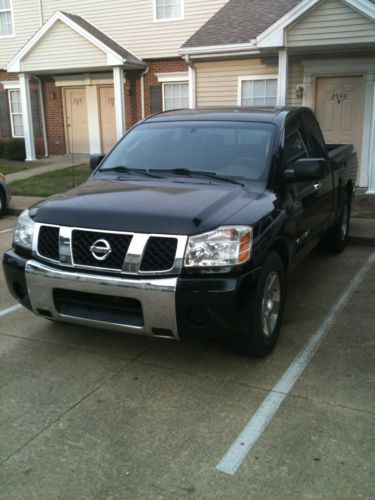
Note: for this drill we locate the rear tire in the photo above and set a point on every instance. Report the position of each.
(267, 308)
(337, 237)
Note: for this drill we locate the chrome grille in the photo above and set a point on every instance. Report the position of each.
(83, 240)
(48, 242)
(130, 253)
(159, 254)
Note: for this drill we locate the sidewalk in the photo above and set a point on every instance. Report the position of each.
(51, 165)
(362, 231)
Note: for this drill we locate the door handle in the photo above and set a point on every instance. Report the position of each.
(317, 186)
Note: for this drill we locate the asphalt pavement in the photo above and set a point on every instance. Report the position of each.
(89, 413)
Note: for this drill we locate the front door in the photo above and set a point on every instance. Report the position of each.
(339, 109)
(77, 121)
(107, 118)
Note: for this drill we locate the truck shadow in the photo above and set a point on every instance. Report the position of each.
(313, 288)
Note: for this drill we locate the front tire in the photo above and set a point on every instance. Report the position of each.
(266, 309)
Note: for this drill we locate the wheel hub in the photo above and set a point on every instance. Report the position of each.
(271, 303)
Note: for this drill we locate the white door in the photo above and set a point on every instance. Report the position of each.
(76, 121)
(339, 109)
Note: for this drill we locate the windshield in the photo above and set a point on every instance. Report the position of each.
(236, 150)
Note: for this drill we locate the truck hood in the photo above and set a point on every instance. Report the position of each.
(146, 206)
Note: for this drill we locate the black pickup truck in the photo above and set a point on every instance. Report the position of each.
(188, 227)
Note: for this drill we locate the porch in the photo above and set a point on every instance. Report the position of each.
(90, 70)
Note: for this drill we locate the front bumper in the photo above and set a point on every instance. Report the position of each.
(170, 307)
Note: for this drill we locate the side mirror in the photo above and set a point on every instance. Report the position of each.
(95, 160)
(307, 169)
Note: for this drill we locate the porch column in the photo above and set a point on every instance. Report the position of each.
(119, 90)
(371, 156)
(192, 87)
(27, 117)
(283, 78)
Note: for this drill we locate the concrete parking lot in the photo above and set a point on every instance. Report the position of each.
(95, 414)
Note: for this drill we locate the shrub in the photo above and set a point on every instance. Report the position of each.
(2, 145)
(15, 150)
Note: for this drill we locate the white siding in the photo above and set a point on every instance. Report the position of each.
(58, 50)
(217, 82)
(331, 23)
(26, 23)
(130, 22)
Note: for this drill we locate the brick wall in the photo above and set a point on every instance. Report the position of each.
(133, 86)
(53, 107)
(164, 66)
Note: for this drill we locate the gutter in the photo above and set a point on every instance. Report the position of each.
(43, 115)
(215, 49)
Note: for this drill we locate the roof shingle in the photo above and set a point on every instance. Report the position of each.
(239, 21)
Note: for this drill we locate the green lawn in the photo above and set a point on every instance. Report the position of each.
(6, 169)
(11, 167)
(51, 182)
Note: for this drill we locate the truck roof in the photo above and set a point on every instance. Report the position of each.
(266, 115)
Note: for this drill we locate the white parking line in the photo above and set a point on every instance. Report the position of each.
(9, 310)
(241, 447)
(7, 230)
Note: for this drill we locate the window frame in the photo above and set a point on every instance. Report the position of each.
(11, 113)
(247, 78)
(12, 17)
(169, 19)
(294, 125)
(173, 82)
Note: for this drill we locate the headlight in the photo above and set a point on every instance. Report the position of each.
(23, 235)
(225, 246)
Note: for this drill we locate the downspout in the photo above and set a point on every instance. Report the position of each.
(143, 74)
(43, 116)
(192, 83)
(41, 12)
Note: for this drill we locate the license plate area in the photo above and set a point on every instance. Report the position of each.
(97, 307)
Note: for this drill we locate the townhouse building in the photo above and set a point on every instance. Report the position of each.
(75, 75)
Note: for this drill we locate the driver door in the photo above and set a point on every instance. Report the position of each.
(303, 196)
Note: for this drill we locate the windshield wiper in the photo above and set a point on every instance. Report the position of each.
(189, 173)
(127, 170)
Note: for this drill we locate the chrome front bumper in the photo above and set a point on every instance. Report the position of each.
(156, 295)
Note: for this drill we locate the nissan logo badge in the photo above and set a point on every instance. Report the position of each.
(100, 250)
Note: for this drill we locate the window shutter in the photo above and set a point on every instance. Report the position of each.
(35, 112)
(5, 127)
(155, 99)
